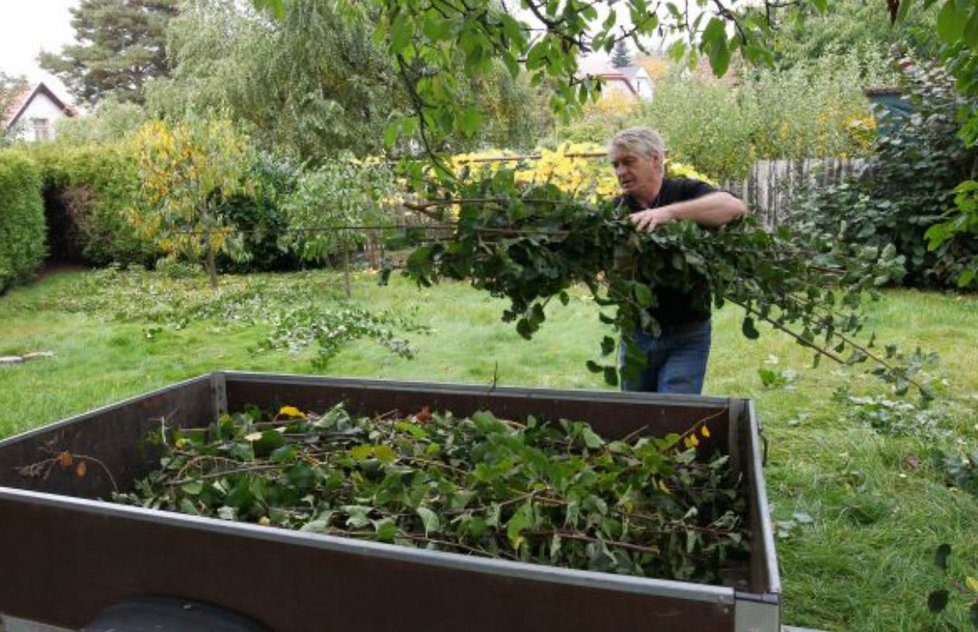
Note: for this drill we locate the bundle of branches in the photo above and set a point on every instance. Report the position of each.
(549, 493)
(531, 244)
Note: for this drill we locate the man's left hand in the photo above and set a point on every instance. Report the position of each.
(650, 218)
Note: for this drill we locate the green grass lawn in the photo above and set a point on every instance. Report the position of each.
(859, 509)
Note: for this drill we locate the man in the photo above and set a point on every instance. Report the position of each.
(676, 359)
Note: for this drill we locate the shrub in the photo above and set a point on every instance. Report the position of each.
(908, 184)
(112, 121)
(22, 247)
(96, 186)
(703, 125)
(814, 109)
(331, 204)
(721, 127)
(259, 214)
(188, 172)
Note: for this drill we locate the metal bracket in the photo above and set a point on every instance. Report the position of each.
(756, 616)
(219, 391)
(12, 624)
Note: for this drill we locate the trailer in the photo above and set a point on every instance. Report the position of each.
(70, 560)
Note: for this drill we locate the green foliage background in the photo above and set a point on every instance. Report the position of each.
(814, 109)
(22, 246)
(118, 48)
(908, 185)
(95, 186)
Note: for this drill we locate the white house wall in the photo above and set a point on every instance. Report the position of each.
(40, 107)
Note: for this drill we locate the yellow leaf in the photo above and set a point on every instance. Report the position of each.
(362, 452)
(705, 431)
(254, 436)
(264, 521)
(291, 411)
(972, 583)
(385, 454)
(663, 487)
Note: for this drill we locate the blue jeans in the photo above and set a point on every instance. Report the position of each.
(675, 361)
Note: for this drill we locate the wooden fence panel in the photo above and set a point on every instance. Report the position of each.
(768, 189)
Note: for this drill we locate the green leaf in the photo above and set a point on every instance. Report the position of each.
(522, 519)
(300, 476)
(822, 6)
(401, 32)
(468, 121)
(950, 22)
(192, 488)
(385, 454)
(429, 519)
(748, 329)
(270, 440)
(385, 530)
(591, 439)
(971, 29)
(275, 7)
(715, 46)
(283, 454)
(390, 133)
(643, 295)
(357, 515)
(537, 55)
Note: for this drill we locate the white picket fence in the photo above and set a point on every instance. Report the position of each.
(771, 183)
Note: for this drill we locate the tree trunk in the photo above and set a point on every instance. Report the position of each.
(212, 268)
(346, 270)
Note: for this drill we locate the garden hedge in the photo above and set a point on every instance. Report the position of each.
(97, 185)
(22, 229)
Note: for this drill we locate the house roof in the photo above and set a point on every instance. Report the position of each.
(630, 72)
(619, 76)
(24, 98)
(608, 72)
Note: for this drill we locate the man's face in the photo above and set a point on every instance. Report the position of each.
(637, 174)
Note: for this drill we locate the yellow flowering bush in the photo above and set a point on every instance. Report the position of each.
(581, 169)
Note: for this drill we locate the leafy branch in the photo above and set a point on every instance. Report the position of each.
(552, 493)
(532, 243)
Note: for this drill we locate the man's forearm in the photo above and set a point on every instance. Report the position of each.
(711, 210)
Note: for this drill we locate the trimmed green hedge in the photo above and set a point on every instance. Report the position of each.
(22, 232)
(97, 185)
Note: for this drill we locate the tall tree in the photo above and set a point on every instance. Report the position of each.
(316, 83)
(10, 87)
(621, 57)
(120, 46)
(854, 27)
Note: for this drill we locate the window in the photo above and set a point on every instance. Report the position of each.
(42, 128)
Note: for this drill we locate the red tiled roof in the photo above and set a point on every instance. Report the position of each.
(16, 105)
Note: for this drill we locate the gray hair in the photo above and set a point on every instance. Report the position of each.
(644, 141)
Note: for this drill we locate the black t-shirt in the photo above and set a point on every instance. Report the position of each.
(676, 307)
